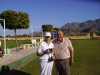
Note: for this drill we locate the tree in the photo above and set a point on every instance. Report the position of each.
(47, 28)
(1, 36)
(56, 29)
(15, 20)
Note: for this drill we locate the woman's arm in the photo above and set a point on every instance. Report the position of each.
(41, 53)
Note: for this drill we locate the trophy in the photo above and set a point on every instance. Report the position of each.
(51, 52)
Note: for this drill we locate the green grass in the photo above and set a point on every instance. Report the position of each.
(87, 57)
(87, 60)
(12, 44)
(35, 69)
(31, 69)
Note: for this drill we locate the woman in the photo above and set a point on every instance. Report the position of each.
(45, 53)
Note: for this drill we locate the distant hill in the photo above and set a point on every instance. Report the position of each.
(74, 28)
(37, 33)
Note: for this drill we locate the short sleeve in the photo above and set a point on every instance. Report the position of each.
(70, 45)
(39, 49)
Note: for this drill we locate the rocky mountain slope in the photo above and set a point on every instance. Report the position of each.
(75, 28)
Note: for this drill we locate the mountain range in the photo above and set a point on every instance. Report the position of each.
(75, 28)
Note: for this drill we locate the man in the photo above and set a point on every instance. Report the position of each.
(64, 54)
(44, 51)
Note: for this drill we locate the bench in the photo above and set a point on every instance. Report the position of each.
(25, 46)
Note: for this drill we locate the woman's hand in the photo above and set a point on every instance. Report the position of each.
(47, 51)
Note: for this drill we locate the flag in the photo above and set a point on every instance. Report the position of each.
(55, 35)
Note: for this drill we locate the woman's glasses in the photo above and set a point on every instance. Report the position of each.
(47, 37)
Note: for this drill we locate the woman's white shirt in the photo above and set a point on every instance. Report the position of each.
(42, 47)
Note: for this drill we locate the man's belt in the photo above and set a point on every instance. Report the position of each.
(61, 59)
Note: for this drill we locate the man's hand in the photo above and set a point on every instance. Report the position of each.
(71, 62)
(71, 58)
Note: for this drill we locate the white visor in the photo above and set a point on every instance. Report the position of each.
(47, 34)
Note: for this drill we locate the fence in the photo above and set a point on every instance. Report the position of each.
(95, 36)
(79, 37)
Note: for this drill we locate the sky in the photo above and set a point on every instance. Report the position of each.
(55, 12)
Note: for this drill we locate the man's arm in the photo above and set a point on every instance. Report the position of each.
(71, 58)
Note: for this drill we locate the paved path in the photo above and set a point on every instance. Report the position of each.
(13, 56)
